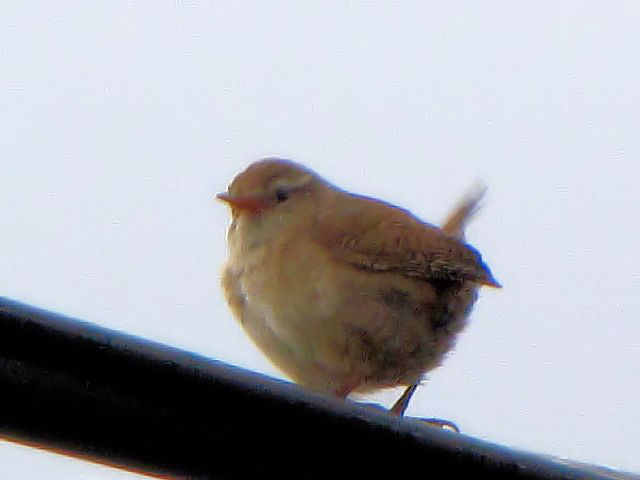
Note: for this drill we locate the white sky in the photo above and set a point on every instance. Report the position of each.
(121, 120)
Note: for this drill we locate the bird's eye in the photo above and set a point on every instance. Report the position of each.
(282, 195)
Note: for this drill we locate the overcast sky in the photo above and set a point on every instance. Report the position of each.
(121, 120)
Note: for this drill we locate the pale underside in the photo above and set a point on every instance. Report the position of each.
(341, 314)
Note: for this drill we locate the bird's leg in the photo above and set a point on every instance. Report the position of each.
(403, 402)
(343, 391)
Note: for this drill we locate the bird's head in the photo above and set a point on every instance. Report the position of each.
(271, 185)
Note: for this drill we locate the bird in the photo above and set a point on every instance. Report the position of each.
(342, 292)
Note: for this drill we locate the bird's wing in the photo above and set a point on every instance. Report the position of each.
(389, 239)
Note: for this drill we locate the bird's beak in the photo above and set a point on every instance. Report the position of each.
(247, 203)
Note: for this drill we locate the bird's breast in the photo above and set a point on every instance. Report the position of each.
(322, 321)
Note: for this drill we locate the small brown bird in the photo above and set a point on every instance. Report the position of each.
(342, 292)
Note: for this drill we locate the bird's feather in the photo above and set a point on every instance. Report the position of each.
(390, 239)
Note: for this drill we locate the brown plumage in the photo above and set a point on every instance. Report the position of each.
(342, 292)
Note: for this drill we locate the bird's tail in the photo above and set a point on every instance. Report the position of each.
(460, 216)
(457, 220)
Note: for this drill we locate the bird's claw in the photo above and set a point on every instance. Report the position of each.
(440, 423)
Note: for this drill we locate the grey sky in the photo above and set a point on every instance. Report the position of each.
(121, 120)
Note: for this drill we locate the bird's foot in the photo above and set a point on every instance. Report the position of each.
(440, 423)
(399, 408)
(434, 422)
